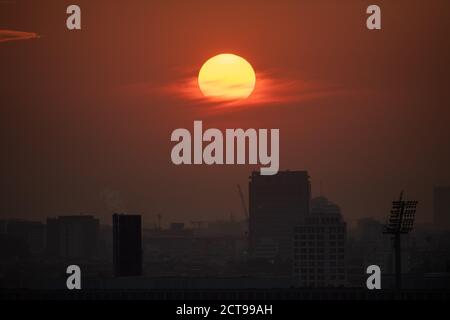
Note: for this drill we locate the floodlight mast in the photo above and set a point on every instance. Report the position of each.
(401, 221)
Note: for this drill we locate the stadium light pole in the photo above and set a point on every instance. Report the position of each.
(401, 221)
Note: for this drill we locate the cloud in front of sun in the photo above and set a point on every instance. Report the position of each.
(271, 89)
(14, 35)
(231, 84)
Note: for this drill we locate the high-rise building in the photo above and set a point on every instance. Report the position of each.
(72, 237)
(277, 203)
(441, 204)
(319, 246)
(127, 245)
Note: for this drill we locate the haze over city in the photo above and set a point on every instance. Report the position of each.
(365, 113)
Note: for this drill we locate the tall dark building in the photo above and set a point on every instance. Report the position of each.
(72, 237)
(441, 204)
(127, 245)
(277, 203)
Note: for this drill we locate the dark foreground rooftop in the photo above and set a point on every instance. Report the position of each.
(226, 294)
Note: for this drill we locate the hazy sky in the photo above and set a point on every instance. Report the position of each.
(86, 116)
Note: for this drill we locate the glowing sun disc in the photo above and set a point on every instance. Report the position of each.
(227, 77)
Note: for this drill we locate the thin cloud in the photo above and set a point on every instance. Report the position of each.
(13, 35)
(270, 90)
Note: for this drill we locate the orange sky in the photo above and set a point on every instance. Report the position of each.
(86, 116)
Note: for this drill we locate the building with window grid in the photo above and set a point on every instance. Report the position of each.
(319, 246)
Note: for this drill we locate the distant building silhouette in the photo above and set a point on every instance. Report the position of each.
(441, 206)
(193, 251)
(319, 246)
(367, 246)
(72, 237)
(277, 203)
(31, 232)
(127, 245)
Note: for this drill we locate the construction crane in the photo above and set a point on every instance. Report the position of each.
(247, 217)
(244, 206)
(159, 217)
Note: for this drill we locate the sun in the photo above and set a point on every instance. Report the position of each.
(227, 77)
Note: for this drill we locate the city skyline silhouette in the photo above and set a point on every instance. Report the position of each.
(225, 150)
(365, 113)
